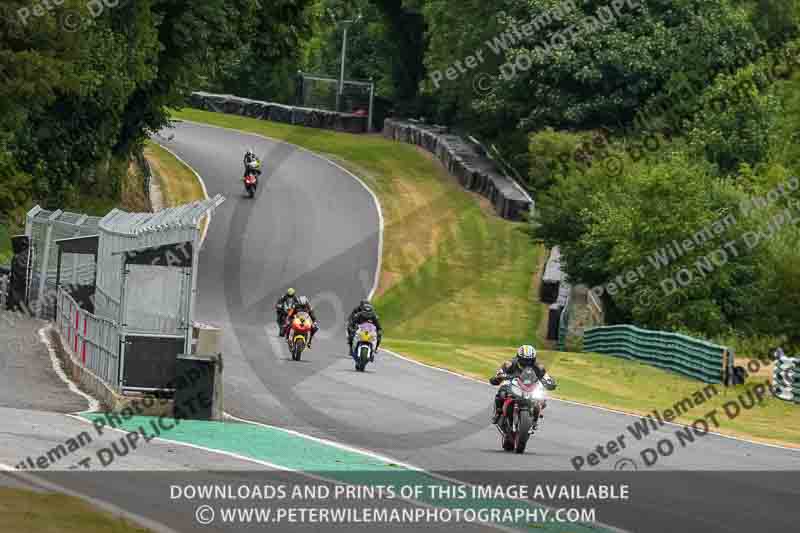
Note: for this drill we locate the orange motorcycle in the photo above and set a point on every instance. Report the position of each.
(299, 335)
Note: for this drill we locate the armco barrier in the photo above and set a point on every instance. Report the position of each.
(298, 116)
(786, 379)
(671, 351)
(552, 277)
(462, 160)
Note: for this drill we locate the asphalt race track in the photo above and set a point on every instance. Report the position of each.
(316, 228)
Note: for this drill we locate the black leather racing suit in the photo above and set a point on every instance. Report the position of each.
(358, 317)
(507, 371)
(286, 302)
(256, 171)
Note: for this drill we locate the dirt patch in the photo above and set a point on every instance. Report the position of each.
(765, 371)
(417, 225)
(134, 198)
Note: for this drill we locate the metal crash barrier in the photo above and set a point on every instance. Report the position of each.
(670, 351)
(786, 379)
(94, 341)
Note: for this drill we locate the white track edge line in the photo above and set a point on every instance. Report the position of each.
(377, 279)
(381, 220)
(202, 185)
(371, 294)
(93, 403)
(275, 466)
(110, 508)
(407, 466)
(164, 440)
(589, 406)
(339, 445)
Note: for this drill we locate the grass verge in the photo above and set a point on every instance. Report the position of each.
(457, 288)
(178, 184)
(452, 271)
(624, 385)
(30, 512)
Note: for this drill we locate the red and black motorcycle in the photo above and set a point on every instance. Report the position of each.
(526, 398)
(250, 184)
(251, 178)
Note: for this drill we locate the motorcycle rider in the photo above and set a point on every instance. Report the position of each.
(287, 301)
(250, 157)
(525, 358)
(362, 314)
(303, 305)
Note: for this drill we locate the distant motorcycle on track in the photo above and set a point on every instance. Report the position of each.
(251, 178)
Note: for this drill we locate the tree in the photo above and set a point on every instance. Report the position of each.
(611, 231)
(81, 89)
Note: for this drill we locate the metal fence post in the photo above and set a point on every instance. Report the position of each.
(46, 260)
(371, 105)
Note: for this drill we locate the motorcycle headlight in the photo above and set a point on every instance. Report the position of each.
(516, 390)
(539, 393)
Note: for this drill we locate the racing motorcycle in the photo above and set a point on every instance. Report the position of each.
(251, 178)
(525, 400)
(300, 327)
(366, 340)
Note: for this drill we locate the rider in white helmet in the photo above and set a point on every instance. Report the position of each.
(526, 357)
(250, 158)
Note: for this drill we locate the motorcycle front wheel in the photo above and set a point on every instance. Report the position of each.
(523, 431)
(363, 357)
(297, 350)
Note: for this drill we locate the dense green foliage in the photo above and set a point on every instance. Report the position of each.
(81, 87)
(635, 127)
(611, 224)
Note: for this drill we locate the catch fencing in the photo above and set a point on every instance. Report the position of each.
(670, 351)
(356, 97)
(45, 228)
(786, 379)
(121, 288)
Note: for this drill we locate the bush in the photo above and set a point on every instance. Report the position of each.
(737, 121)
(550, 153)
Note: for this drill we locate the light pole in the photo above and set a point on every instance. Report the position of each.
(346, 24)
